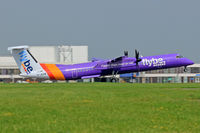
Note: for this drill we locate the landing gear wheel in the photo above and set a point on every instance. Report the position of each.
(113, 80)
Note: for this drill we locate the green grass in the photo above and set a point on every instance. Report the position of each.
(99, 108)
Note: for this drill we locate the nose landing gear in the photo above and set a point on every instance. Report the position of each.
(185, 69)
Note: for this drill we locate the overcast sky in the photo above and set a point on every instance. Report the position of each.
(108, 27)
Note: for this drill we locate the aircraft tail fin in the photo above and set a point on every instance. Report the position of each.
(25, 61)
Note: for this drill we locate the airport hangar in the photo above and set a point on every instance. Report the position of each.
(66, 54)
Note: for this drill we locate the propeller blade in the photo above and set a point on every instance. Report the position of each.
(126, 53)
(137, 56)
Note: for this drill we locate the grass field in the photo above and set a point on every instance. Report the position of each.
(99, 108)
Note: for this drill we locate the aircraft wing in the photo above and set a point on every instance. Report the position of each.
(109, 63)
(96, 60)
(91, 76)
(117, 59)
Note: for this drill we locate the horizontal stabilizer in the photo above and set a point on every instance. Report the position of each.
(25, 47)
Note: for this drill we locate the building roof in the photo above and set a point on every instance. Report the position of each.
(7, 62)
(194, 65)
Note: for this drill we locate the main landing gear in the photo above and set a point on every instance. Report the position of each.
(114, 77)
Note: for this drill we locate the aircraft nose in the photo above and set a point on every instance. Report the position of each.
(187, 62)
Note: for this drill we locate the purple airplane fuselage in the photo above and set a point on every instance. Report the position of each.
(119, 65)
(29, 66)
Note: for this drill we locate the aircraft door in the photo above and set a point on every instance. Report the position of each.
(74, 73)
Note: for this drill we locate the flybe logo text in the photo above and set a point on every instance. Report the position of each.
(154, 62)
(25, 62)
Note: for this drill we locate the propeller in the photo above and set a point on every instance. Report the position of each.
(137, 56)
(126, 53)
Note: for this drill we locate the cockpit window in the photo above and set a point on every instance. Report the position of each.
(179, 56)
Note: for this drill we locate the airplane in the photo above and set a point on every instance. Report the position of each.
(31, 68)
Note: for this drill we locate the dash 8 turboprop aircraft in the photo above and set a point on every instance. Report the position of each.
(29, 67)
